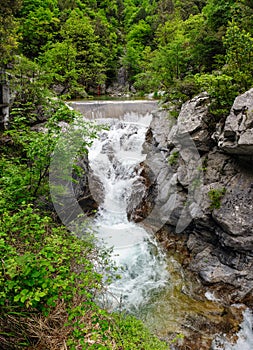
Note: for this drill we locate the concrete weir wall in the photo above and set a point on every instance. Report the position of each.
(113, 109)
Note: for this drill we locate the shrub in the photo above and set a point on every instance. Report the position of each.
(215, 196)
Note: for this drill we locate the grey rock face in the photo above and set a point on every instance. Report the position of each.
(235, 215)
(83, 188)
(237, 135)
(193, 119)
(210, 190)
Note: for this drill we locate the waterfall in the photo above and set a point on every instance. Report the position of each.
(115, 160)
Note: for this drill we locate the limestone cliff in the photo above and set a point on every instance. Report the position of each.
(200, 184)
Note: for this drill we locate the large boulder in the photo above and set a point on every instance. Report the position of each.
(234, 217)
(237, 135)
(194, 120)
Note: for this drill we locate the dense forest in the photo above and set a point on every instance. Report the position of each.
(55, 50)
(75, 46)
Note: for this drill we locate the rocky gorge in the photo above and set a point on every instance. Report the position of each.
(219, 228)
(194, 193)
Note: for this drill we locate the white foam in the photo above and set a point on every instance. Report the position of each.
(115, 159)
(245, 336)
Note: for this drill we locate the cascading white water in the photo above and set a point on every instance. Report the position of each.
(115, 159)
(245, 336)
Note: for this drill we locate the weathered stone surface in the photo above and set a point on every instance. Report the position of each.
(210, 269)
(186, 165)
(87, 188)
(193, 114)
(218, 167)
(237, 135)
(235, 215)
(160, 126)
(193, 119)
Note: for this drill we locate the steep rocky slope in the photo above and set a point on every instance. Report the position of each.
(200, 186)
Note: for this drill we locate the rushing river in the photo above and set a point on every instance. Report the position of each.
(115, 160)
(152, 284)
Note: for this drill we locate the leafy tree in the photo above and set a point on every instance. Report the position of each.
(164, 9)
(147, 80)
(239, 55)
(8, 28)
(203, 44)
(108, 40)
(66, 4)
(137, 39)
(189, 7)
(90, 61)
(171, 56)
(218, 13)
(221, 89)
(249, 3)
(38, 28)
(30, 90)
(30, 6)
(59, 65)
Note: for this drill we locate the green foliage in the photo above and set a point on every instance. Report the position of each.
(215, 195)
(221, 89)
(81, 44)
(203, 44)
(53, 31)
(69, 46)
(171, 54)
(239, 58)
(14, 182)
(112, 331)
(180, 47)
(25, 162)
(30, 91)
(38, 28)
(235, 75)
(27, 177)
(30, 6)
(8, 30)
(189, 7)
(173, 158)
(41, 263)
(44, 267)
(218, 13)
(59, 63)
(135, 335)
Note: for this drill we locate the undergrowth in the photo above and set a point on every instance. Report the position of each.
(48, 286)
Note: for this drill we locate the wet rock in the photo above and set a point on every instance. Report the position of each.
(87, 188)
(210, 269)
(141, 201)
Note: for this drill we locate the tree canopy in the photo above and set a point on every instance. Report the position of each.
(82, 44)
